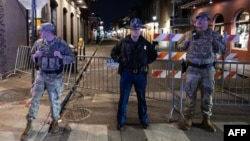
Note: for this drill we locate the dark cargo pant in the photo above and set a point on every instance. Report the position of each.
(139, 81)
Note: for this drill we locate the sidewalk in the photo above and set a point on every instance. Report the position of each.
(92, 117)
(15, 96)
(14, 101)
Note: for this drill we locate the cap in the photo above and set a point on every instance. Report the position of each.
(203, 15)
(135, 23)
(47, 27)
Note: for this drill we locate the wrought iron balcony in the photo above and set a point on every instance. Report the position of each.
(177, 22)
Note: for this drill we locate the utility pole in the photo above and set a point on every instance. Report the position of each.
(33, 33)
(32, 6)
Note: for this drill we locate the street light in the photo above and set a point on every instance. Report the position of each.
(154, 19)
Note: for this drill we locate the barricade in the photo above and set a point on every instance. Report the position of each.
(24, 64)
(182, 55)
(178, 73)
(23, 60)
(101, 74)
(232, 84)
(166, 82)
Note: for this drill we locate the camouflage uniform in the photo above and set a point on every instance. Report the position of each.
(50, 79)
(201, 56)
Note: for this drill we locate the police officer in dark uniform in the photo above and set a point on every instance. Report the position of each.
(49, 54)
(202, 45)
(133, 53)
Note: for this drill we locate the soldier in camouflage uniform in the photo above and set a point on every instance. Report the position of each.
(49, 54)
(201, 46)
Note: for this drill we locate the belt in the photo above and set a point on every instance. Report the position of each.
(201, 66)
(138, 70)
(52, 71)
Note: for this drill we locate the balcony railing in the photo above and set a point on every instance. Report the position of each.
(180, 22)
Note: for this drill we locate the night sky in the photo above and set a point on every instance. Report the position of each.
(109, 10)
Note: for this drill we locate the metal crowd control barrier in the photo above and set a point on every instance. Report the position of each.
(175, 84)
(24, 64)
(166, 82)
(232, 84)
(163, 84)
(23, 60)
(174, 38)
(101, 74)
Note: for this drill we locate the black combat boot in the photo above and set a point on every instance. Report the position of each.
(27, 131)
(187, 124)
(207, 124)
(54, 126)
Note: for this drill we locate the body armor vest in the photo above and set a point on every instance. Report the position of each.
(49, 63)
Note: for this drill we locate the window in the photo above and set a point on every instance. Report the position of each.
(65, 24)
(53, 17)
(242, 29)
(72, 28)
(219, 24)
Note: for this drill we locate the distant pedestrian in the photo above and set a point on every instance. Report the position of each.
(133, 53)
(202, 44)
(49, 55)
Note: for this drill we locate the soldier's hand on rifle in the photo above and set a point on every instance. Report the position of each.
(58, 54)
